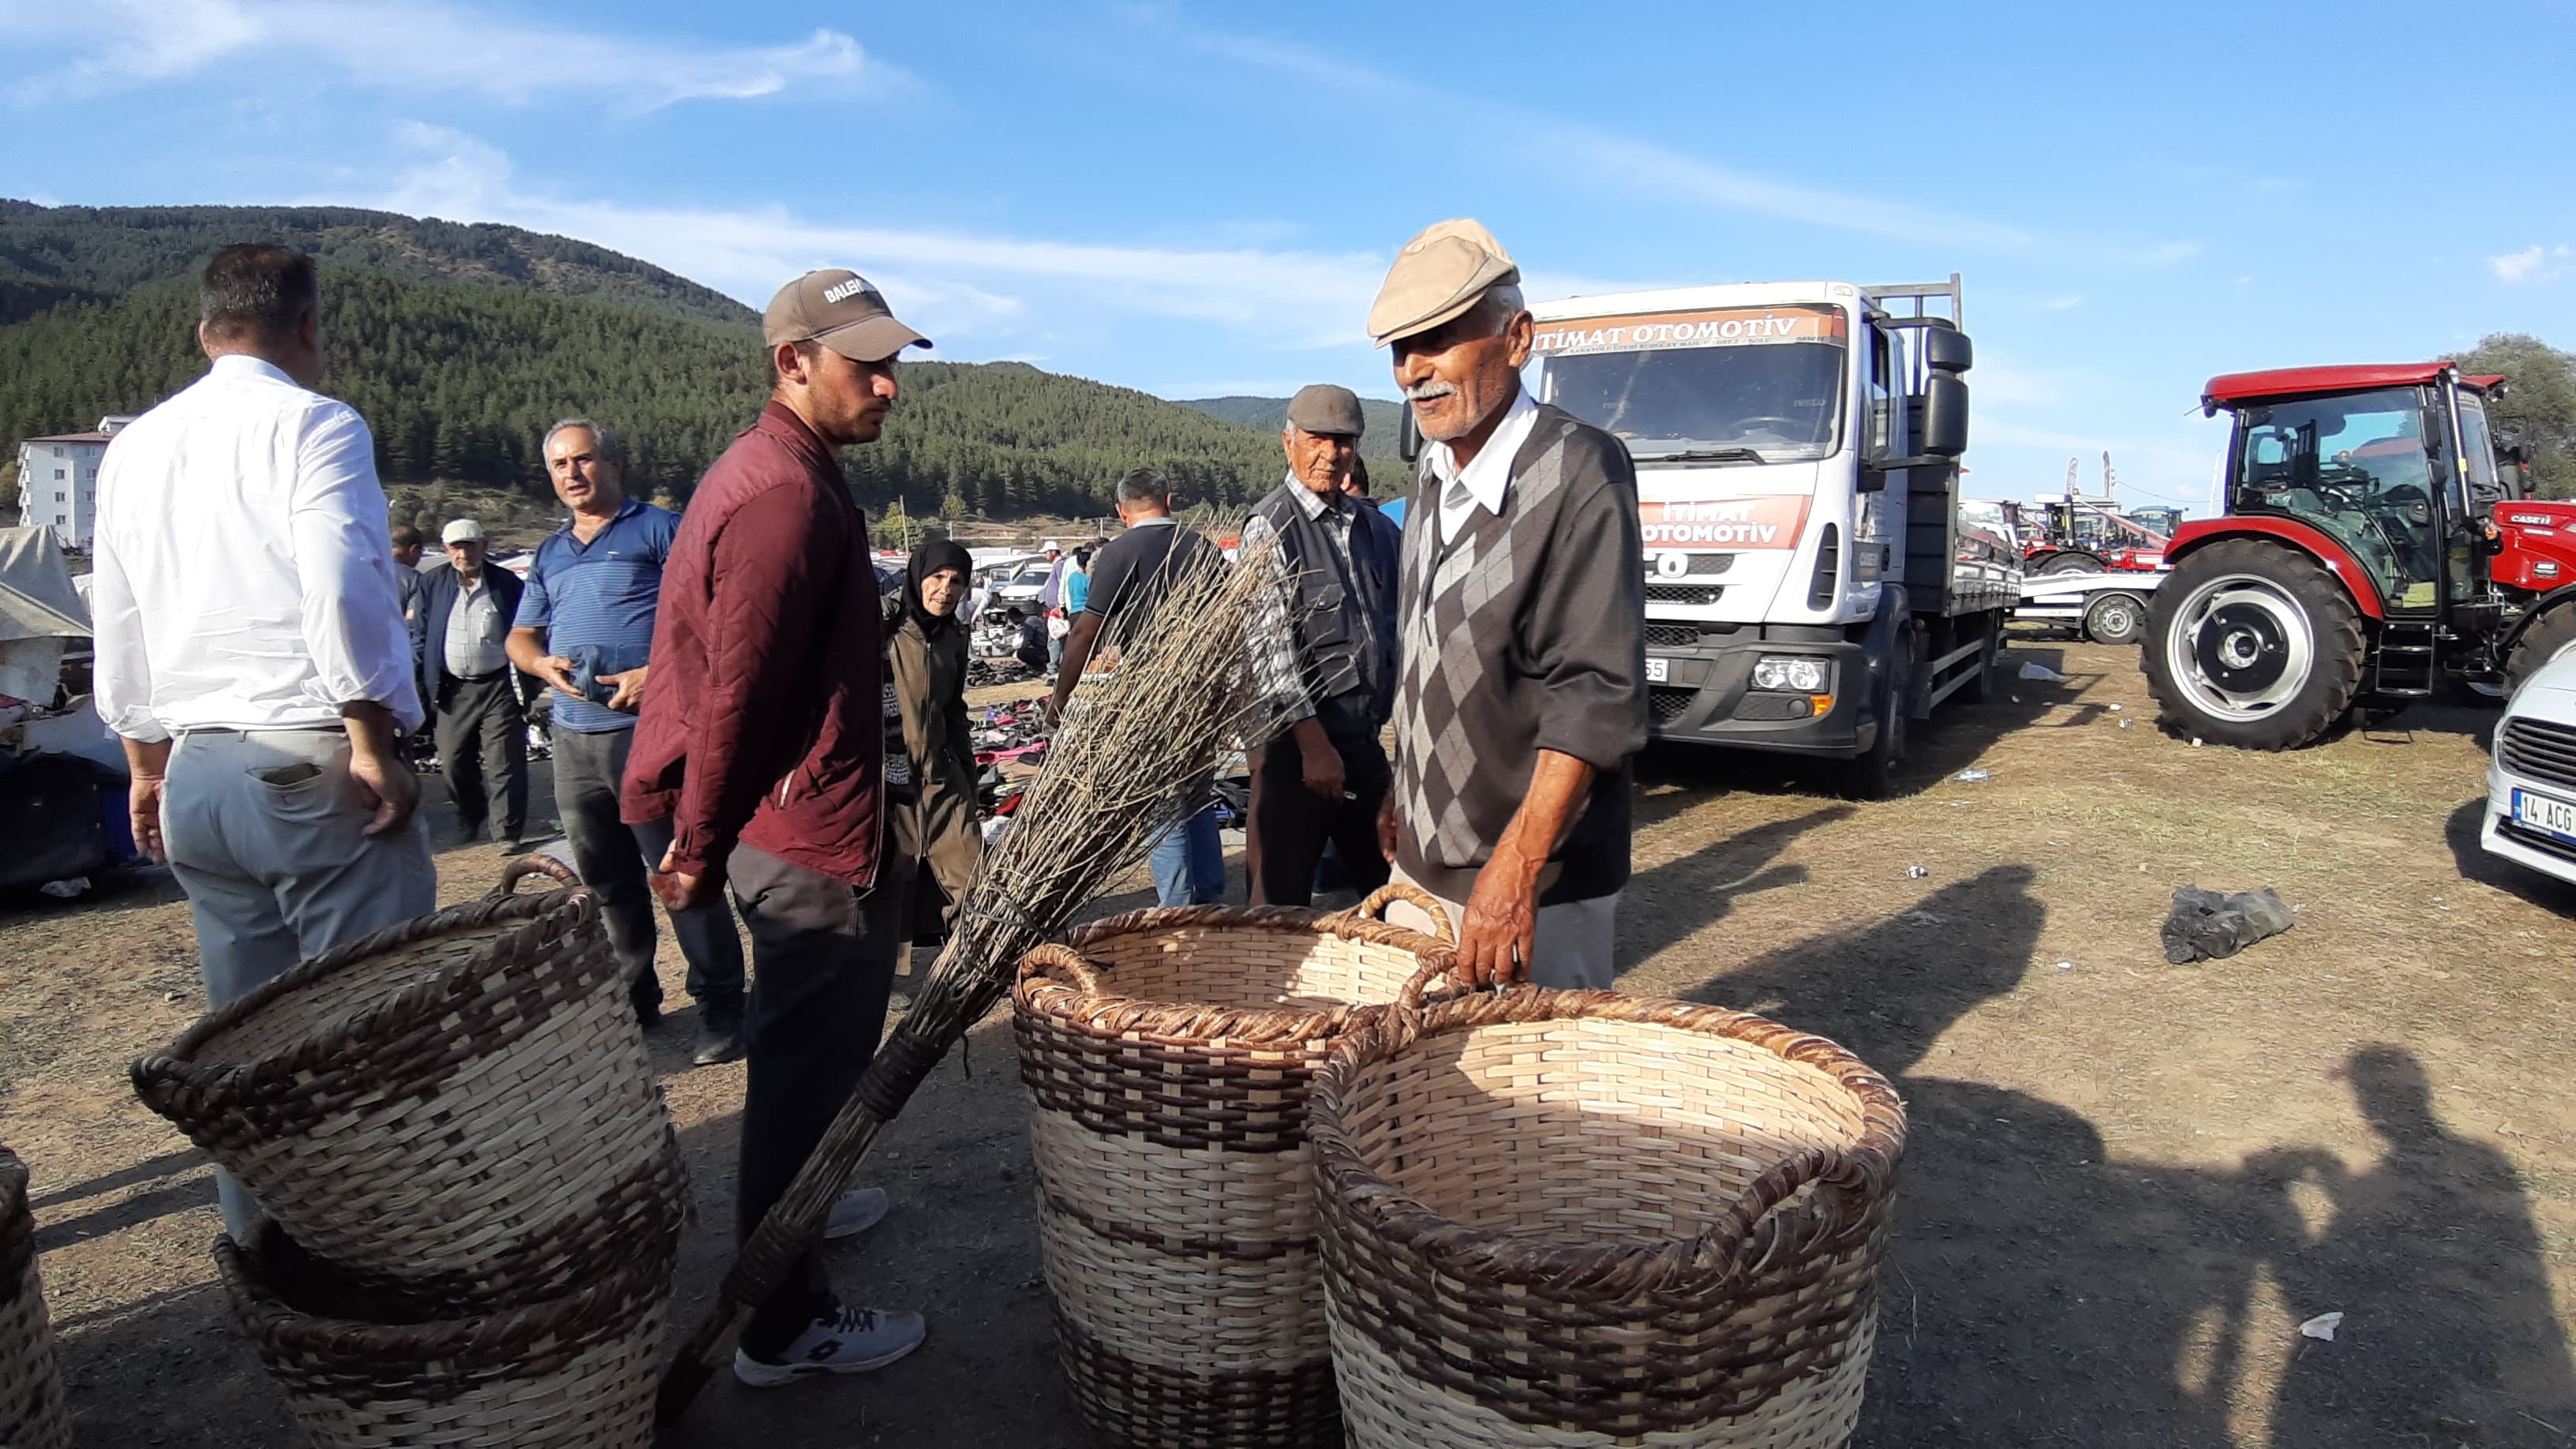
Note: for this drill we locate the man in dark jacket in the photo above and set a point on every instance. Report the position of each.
(763, 741)
(1521, 696)
(1329, 657)
(460, 638)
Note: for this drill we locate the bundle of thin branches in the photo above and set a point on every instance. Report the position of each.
(1136, 750)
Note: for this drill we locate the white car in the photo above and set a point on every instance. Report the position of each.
(2531, 785)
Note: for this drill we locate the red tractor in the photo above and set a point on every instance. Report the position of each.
(2069, 534)
(2371, 549)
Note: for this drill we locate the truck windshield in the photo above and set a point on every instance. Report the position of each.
(1741, 385)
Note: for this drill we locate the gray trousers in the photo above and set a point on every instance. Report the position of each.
(1573, 946)
(267, 835)
(483, 747)
(612, 855)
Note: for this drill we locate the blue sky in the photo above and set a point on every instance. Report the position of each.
(1196, 200)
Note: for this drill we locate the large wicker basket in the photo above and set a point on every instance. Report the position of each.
(457, 1110)
(1581, 1218)
(573, 1372)
(1167, 1055)
(33, 1414)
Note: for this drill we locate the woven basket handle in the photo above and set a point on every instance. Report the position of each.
(1435, 965)
(1374, 908)
(528, 865)
(1061, 962)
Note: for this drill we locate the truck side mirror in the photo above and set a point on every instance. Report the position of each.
(1945, 413)
(1408, 433)
(1946, 349)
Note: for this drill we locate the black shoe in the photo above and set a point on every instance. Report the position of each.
(648, 1009)
(719, 1033)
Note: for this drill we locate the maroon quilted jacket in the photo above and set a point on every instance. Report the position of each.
(764, 719)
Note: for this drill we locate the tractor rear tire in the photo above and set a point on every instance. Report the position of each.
(2253, 644)
(2073, 563)
(2115, 619)
(2546, 639)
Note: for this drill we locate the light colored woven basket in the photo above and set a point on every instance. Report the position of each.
(1167, 1055)
(1576, 1218)
(458, 1110)
(33, 1413)
(574, 1372)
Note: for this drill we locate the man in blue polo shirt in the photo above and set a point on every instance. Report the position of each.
(585, 625)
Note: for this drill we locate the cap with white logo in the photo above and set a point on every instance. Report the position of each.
(841, 310)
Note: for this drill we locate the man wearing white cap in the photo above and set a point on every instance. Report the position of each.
(462, 629)
(1521, 614)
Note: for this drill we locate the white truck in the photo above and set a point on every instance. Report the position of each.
(1811, 588)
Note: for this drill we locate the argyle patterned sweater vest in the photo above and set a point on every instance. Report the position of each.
(1525, 633)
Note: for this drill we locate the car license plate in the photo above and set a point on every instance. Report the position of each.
(1659, 671)
(2540, 812)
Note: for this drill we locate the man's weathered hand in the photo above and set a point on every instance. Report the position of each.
(1322, 764)
(556, 670)
(386, 785)
(143, 802)
(630, 688)
(1500, 930)
(1386, 826)
(679, 892)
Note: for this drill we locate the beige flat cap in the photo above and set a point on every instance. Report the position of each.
(1438, 275)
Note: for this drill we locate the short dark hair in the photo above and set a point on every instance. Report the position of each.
(1144, 485)
(807, 349)
(254, 292)
(406, 536)
(1359, 476)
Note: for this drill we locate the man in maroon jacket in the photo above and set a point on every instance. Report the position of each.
(763, 742)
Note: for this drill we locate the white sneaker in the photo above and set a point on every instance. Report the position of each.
(851, 1341)
(859, 1209)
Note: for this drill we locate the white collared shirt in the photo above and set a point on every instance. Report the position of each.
(1489, 476)
(244, 578)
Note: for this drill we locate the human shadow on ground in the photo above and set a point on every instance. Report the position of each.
(2040, 1290)
(1668, 903)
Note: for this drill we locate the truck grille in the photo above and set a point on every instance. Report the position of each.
(2539, 750)
(1701, 565)
(1668, 705)
(1698, 595)
(1672, 636)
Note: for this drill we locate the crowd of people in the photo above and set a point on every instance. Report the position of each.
(745, 724)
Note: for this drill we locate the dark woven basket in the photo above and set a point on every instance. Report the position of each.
(457, 1110)
(573, 1372)
(1167, 1055)
(33, 1414)
(1582, 1218)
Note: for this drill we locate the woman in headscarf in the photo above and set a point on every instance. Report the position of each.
(926, 649)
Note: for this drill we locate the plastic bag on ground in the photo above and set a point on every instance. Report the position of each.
(2210, 925)
(2042, 673)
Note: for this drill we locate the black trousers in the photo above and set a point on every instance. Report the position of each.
(1291, 824)
(483, 747)
(612, 855)
(823, 955)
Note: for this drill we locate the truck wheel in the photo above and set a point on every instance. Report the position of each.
(2115, 619)
(1873, 775)
(2543, 641)
(2073, 563)
(2254, 645)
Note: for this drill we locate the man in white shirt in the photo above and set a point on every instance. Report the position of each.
(250, 646)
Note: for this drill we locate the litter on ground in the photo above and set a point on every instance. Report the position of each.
(2042, 673)
(2322, 1326)
(2209, 925)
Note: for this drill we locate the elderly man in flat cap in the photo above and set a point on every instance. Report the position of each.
(1331, 657)
(1521, 625)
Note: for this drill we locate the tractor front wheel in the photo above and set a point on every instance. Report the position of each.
(2547, 638)
(2253, 644)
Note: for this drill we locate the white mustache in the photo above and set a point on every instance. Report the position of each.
(1426, 391)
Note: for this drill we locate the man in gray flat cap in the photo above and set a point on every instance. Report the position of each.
(1329, 657)
(1521, 696)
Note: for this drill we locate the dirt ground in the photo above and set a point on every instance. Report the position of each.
(2126, 1186)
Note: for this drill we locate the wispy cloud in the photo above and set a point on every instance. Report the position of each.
(2534, 263)
(428, 46)
(999, 295)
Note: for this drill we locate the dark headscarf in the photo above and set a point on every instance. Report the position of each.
(929, 559)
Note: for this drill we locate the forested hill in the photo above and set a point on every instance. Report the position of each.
(460, 344)
(1270, 413)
